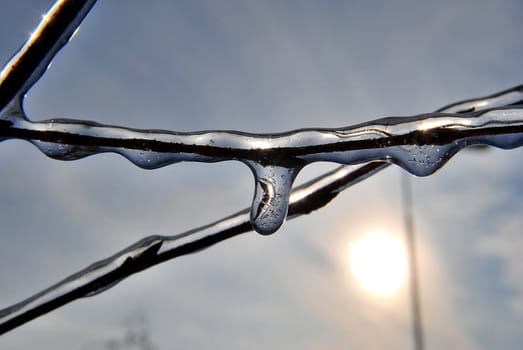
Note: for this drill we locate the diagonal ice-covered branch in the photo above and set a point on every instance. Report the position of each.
(28, 65)
(153, 250)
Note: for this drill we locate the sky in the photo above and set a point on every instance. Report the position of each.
(265, 66)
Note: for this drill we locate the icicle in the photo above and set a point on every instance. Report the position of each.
(270, 204)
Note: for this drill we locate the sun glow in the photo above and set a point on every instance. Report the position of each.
(379, 263)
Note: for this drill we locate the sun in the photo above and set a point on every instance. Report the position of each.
(379, 263)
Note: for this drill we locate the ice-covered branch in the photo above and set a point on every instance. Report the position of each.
(153, 250)
(24, 69)
(419, 144)
(156, 249)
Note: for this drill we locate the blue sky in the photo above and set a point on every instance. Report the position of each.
(265, 66)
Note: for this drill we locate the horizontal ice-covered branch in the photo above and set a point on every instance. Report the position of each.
(419, 144)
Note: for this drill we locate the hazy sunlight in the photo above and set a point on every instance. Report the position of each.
(379, 263)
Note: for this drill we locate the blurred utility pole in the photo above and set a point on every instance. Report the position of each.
(417, 323)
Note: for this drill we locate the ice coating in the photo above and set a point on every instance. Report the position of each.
(419, 144)
(152, 250)
(57, 26)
